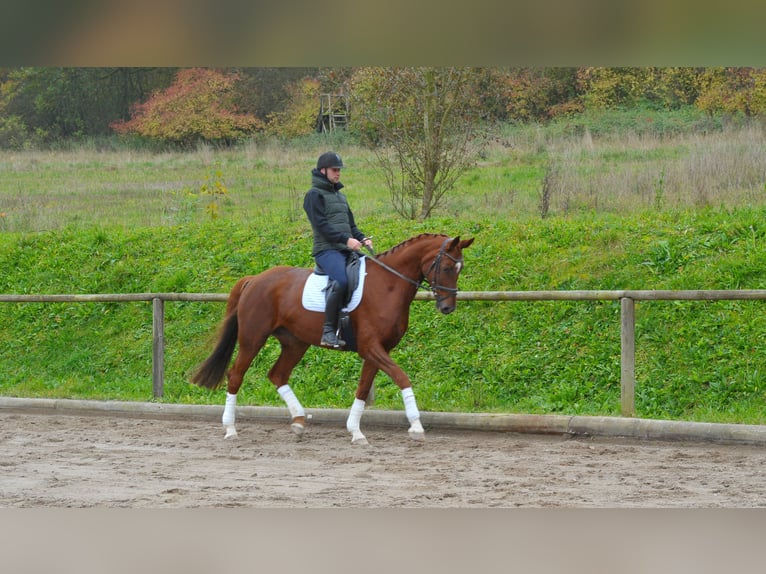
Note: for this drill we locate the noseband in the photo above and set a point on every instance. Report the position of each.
(433, 283)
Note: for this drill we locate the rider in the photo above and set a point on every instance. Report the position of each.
(335, 237)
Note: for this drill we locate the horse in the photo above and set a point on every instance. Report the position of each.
(270, 304)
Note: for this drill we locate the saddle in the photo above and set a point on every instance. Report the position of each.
(313, 297)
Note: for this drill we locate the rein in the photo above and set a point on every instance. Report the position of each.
(433, 286)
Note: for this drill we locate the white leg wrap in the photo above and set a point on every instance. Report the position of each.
(293, 404)
(355, 416)
(229, 411)
(415, 431)
(410, 406)
(230, 415)
(352, 423)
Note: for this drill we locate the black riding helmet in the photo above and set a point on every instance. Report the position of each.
(329, 159)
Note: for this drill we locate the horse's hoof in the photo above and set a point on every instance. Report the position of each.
(358, 438)
(231, 432)
(416, 431)
(418, 436)
(298, 429)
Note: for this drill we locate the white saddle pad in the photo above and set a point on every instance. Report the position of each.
(313, 296)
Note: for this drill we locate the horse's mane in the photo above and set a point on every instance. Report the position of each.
(410, 240)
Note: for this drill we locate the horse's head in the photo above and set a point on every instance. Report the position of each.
(442, 273)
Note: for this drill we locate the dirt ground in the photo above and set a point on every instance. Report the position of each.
(59, 460)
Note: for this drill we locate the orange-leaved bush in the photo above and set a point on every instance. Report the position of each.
(198, 106)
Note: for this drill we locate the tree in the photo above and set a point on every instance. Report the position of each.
(198, 106)
(666, 88)
(612, 87)
(734, 90)
(421, 124)
(537, 94)
(263, 91)
(679, 86)
(299, 114)
(42, 105)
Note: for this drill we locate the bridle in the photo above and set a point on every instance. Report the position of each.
(433, 283)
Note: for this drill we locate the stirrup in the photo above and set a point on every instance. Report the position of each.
(330, 339)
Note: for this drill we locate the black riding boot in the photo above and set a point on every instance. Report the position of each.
(333, 301)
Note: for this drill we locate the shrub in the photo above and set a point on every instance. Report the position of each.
(198, 106)
(734, 91)
(13, 133)
(300, 116)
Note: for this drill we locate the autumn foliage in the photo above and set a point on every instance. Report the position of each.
(40, 106)
(300, 112)
(198, 106)
(732, 90)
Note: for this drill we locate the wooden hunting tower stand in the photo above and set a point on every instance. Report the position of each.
(333, 112)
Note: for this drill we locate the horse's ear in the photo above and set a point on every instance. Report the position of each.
(457, 243)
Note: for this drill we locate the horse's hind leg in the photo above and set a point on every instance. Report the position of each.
(235, 375)
(292, 352)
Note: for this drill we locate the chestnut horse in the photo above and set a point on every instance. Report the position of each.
(269, 304)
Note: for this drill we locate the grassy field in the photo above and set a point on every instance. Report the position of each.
(624, 213)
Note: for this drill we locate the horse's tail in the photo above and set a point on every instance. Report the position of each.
(211, 373)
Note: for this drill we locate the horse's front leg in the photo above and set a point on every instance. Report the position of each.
(385, 363)
(369, 370)
(416, 430)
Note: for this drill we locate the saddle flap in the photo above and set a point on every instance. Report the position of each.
(352, 273)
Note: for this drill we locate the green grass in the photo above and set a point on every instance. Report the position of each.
(85, 232)
(695, 360)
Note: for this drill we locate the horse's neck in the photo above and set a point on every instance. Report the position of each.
(408, 260)
(392, 287)
(406, 263)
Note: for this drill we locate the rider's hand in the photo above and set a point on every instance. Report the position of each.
(354, 244)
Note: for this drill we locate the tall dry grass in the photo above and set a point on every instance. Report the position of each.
(725, 168)
(48, 190)
(520, 175)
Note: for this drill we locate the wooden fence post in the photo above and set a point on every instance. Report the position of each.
(158, 347)
(628, 356)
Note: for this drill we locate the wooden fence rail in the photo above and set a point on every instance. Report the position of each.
(627, 300)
